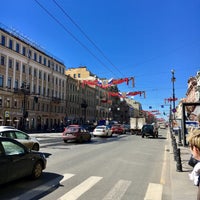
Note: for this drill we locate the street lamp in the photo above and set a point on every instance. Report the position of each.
(174, 108)
(173, 92)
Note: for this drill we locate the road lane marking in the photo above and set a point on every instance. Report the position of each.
(76, 192)
(66, 176)
(118, 190)
(164, 167)
(154, 192)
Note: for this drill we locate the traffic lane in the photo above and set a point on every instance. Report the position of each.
(131, 159)
(48, 181)
(86, 160)
(56, 141)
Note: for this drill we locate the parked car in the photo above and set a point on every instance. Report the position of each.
(18, 161)
(76, 133)
(148, 130)
(117, 128)
(102, 131)
(30, 142)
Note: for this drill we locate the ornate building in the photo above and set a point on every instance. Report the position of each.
(32, 84)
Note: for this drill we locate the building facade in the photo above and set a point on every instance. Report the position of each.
(32, 84)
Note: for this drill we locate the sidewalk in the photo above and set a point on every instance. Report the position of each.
(182, 187)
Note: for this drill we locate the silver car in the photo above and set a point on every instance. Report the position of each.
(102, 131)
(28, 141)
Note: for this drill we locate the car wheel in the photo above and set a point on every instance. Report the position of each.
(35, 147)
(37, 170)
(65, 141)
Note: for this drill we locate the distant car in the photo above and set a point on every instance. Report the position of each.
(76, 133)
(102, 131)
(148, 130)
(117, 128)
(126, 128)
(30, 142)
(18, 161)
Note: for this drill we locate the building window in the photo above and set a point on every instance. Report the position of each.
(74, 75)
(39, 90)
(40, 59)
(79, 75)
(16, 84)
(1, 80)
(24, 51)
(10, 63)
(24, 68)
(29, 53)
(0, 102)
(35, 73)
(9, 82)
(15, 103)
(17, 47)
(34, 89)
(10, 44)
(3, 63)
(3, 40)
(8, 103)
(45, 61)
(40, 74)
(35, 56)
(30, 71)
(17, 66)
(44, 77)
(44, 91)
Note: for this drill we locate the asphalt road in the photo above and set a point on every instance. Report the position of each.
(124, 167)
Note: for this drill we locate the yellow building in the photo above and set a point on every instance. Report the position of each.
(32, 84)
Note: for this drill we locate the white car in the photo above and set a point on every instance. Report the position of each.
(28, 141)
(102, 131)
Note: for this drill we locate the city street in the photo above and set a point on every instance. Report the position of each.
(119, 167)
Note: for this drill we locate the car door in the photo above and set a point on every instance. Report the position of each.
(23, 138)
(18, 160)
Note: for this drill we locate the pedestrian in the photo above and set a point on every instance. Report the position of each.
(194, 143)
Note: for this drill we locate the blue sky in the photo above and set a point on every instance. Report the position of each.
(134, 38)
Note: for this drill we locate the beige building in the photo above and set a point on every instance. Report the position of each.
(32, 84)
(98, 101)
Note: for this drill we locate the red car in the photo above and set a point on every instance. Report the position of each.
(76, 133)
(117, 128)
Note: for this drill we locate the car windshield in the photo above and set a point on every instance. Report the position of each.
(100, 127)
(72, 129)
(11, 148)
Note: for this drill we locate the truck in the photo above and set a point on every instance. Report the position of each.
(136, 124)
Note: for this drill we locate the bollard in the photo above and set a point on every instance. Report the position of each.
(178, 161)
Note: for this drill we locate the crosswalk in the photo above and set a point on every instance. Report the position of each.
(115, 192)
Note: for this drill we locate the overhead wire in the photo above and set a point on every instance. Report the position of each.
(86, 36)
(73, 36)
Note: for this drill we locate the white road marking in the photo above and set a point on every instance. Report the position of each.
(164, 167)
(154, 192)
(66, 176)
(76, 192)
(118, 190)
